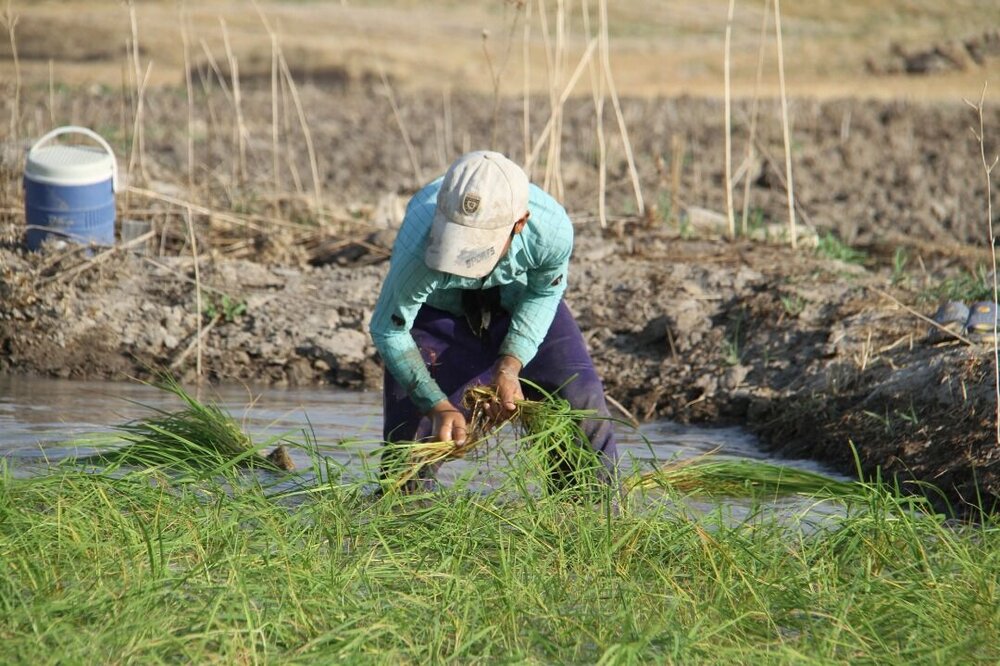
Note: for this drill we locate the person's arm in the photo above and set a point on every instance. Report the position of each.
(532, 315)
(405, 289)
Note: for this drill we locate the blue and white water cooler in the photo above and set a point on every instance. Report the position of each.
(69, 190)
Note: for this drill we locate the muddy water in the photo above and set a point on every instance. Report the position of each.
(39, 416)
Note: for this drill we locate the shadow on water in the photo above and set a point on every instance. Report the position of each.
(39, 416)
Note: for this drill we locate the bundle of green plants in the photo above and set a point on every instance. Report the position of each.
(111, 568)
(199, 435)
(548, 433)
(550, 439)
(709, 476)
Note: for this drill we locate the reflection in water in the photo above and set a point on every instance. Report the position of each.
(38, 417)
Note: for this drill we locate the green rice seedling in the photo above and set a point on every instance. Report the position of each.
(707, 476)
(548, 437)
(548, 430)
(200, 435)
(99, 567)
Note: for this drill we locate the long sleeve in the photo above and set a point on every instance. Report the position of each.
(405, 289)
(547, 257)
(533, 314)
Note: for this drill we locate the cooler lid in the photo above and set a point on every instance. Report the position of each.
(70, 165)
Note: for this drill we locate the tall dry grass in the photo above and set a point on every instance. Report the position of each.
(789, 183)
(9, 20)
(730, 215)
(754, 108)
(988, 167)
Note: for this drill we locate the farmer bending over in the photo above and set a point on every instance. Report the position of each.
(474, 296)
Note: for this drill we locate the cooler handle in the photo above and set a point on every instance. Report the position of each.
(73, 129)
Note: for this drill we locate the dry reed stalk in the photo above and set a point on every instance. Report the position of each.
(126, 101)
(197, 287)
(188, 87)
(91, 262)
(241, 134)
(776, 167)
(729, 125)
(195, 342)
(449, 135)
(306, 132)
(245, 222)
(138, 133)
(555, 140)
(784, 125)
(9, 20)
(172, 270)
(214, 66)
(293, 169)
(550, 74)
(923, 318)
(597, 91)
(411, 152)
(52, 94)
(987, 172)
(677, 149)
(276, 176)
(526, 58)
(134, 151)
(621, 408)
(275, 173)
(414, 162)
(205, 79)
(754, 108)
(547, 130)
(439, 143)
(606, 62)
(496, 75)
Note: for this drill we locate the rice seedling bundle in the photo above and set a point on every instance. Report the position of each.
(548, 433)
(550, 430)
(198, 435)
(706, 475)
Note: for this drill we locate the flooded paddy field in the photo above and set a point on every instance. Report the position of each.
(270, 211)
(46, 422)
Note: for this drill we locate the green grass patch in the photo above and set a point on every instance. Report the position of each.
(831, 247)
(965, 286)
(198, 436)
(136, 568)
(146, 565)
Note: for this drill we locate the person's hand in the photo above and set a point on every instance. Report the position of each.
(508, 385)
(448, 423)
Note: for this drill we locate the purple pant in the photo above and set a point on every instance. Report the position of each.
(457, 359)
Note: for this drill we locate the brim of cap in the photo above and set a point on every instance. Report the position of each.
(464, 251)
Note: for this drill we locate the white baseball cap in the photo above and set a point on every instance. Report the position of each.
(483, 194)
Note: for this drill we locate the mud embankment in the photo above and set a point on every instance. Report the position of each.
(819, 355)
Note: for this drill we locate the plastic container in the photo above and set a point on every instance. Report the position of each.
(69, 191)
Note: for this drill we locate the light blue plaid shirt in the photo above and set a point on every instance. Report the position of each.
(532, 279)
